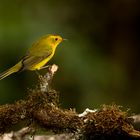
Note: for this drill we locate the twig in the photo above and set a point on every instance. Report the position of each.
(45, 81)
(19, 135)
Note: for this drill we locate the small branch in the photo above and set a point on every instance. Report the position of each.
(55, 137)
(45, 81)
(19, 135)
(24, 134)
(135, 120)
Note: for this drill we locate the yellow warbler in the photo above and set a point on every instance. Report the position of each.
(37, 56)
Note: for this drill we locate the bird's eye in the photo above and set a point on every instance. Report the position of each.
(56, 39)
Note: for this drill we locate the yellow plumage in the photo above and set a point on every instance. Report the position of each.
(37, 56)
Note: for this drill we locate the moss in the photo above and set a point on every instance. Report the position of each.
(108, 122)
(42, 107)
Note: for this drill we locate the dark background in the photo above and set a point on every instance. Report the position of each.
(100, 62)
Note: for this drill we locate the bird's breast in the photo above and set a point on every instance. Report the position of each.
(43, 62)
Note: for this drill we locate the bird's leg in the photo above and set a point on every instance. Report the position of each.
(44, 67)
(36, 71)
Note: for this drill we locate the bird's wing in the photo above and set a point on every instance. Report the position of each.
(30, 61)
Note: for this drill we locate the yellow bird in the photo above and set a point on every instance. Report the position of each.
(37, 56)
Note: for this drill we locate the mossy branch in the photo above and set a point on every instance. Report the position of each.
(41, 107)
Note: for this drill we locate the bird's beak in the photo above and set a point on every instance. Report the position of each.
(64, 39)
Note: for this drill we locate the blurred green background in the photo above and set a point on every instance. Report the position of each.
(100, 62)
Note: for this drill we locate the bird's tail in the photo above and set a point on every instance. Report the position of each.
(11, 70)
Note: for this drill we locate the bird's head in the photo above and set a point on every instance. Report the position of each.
(53, 40)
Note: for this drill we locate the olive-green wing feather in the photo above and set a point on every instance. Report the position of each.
(30, 61)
